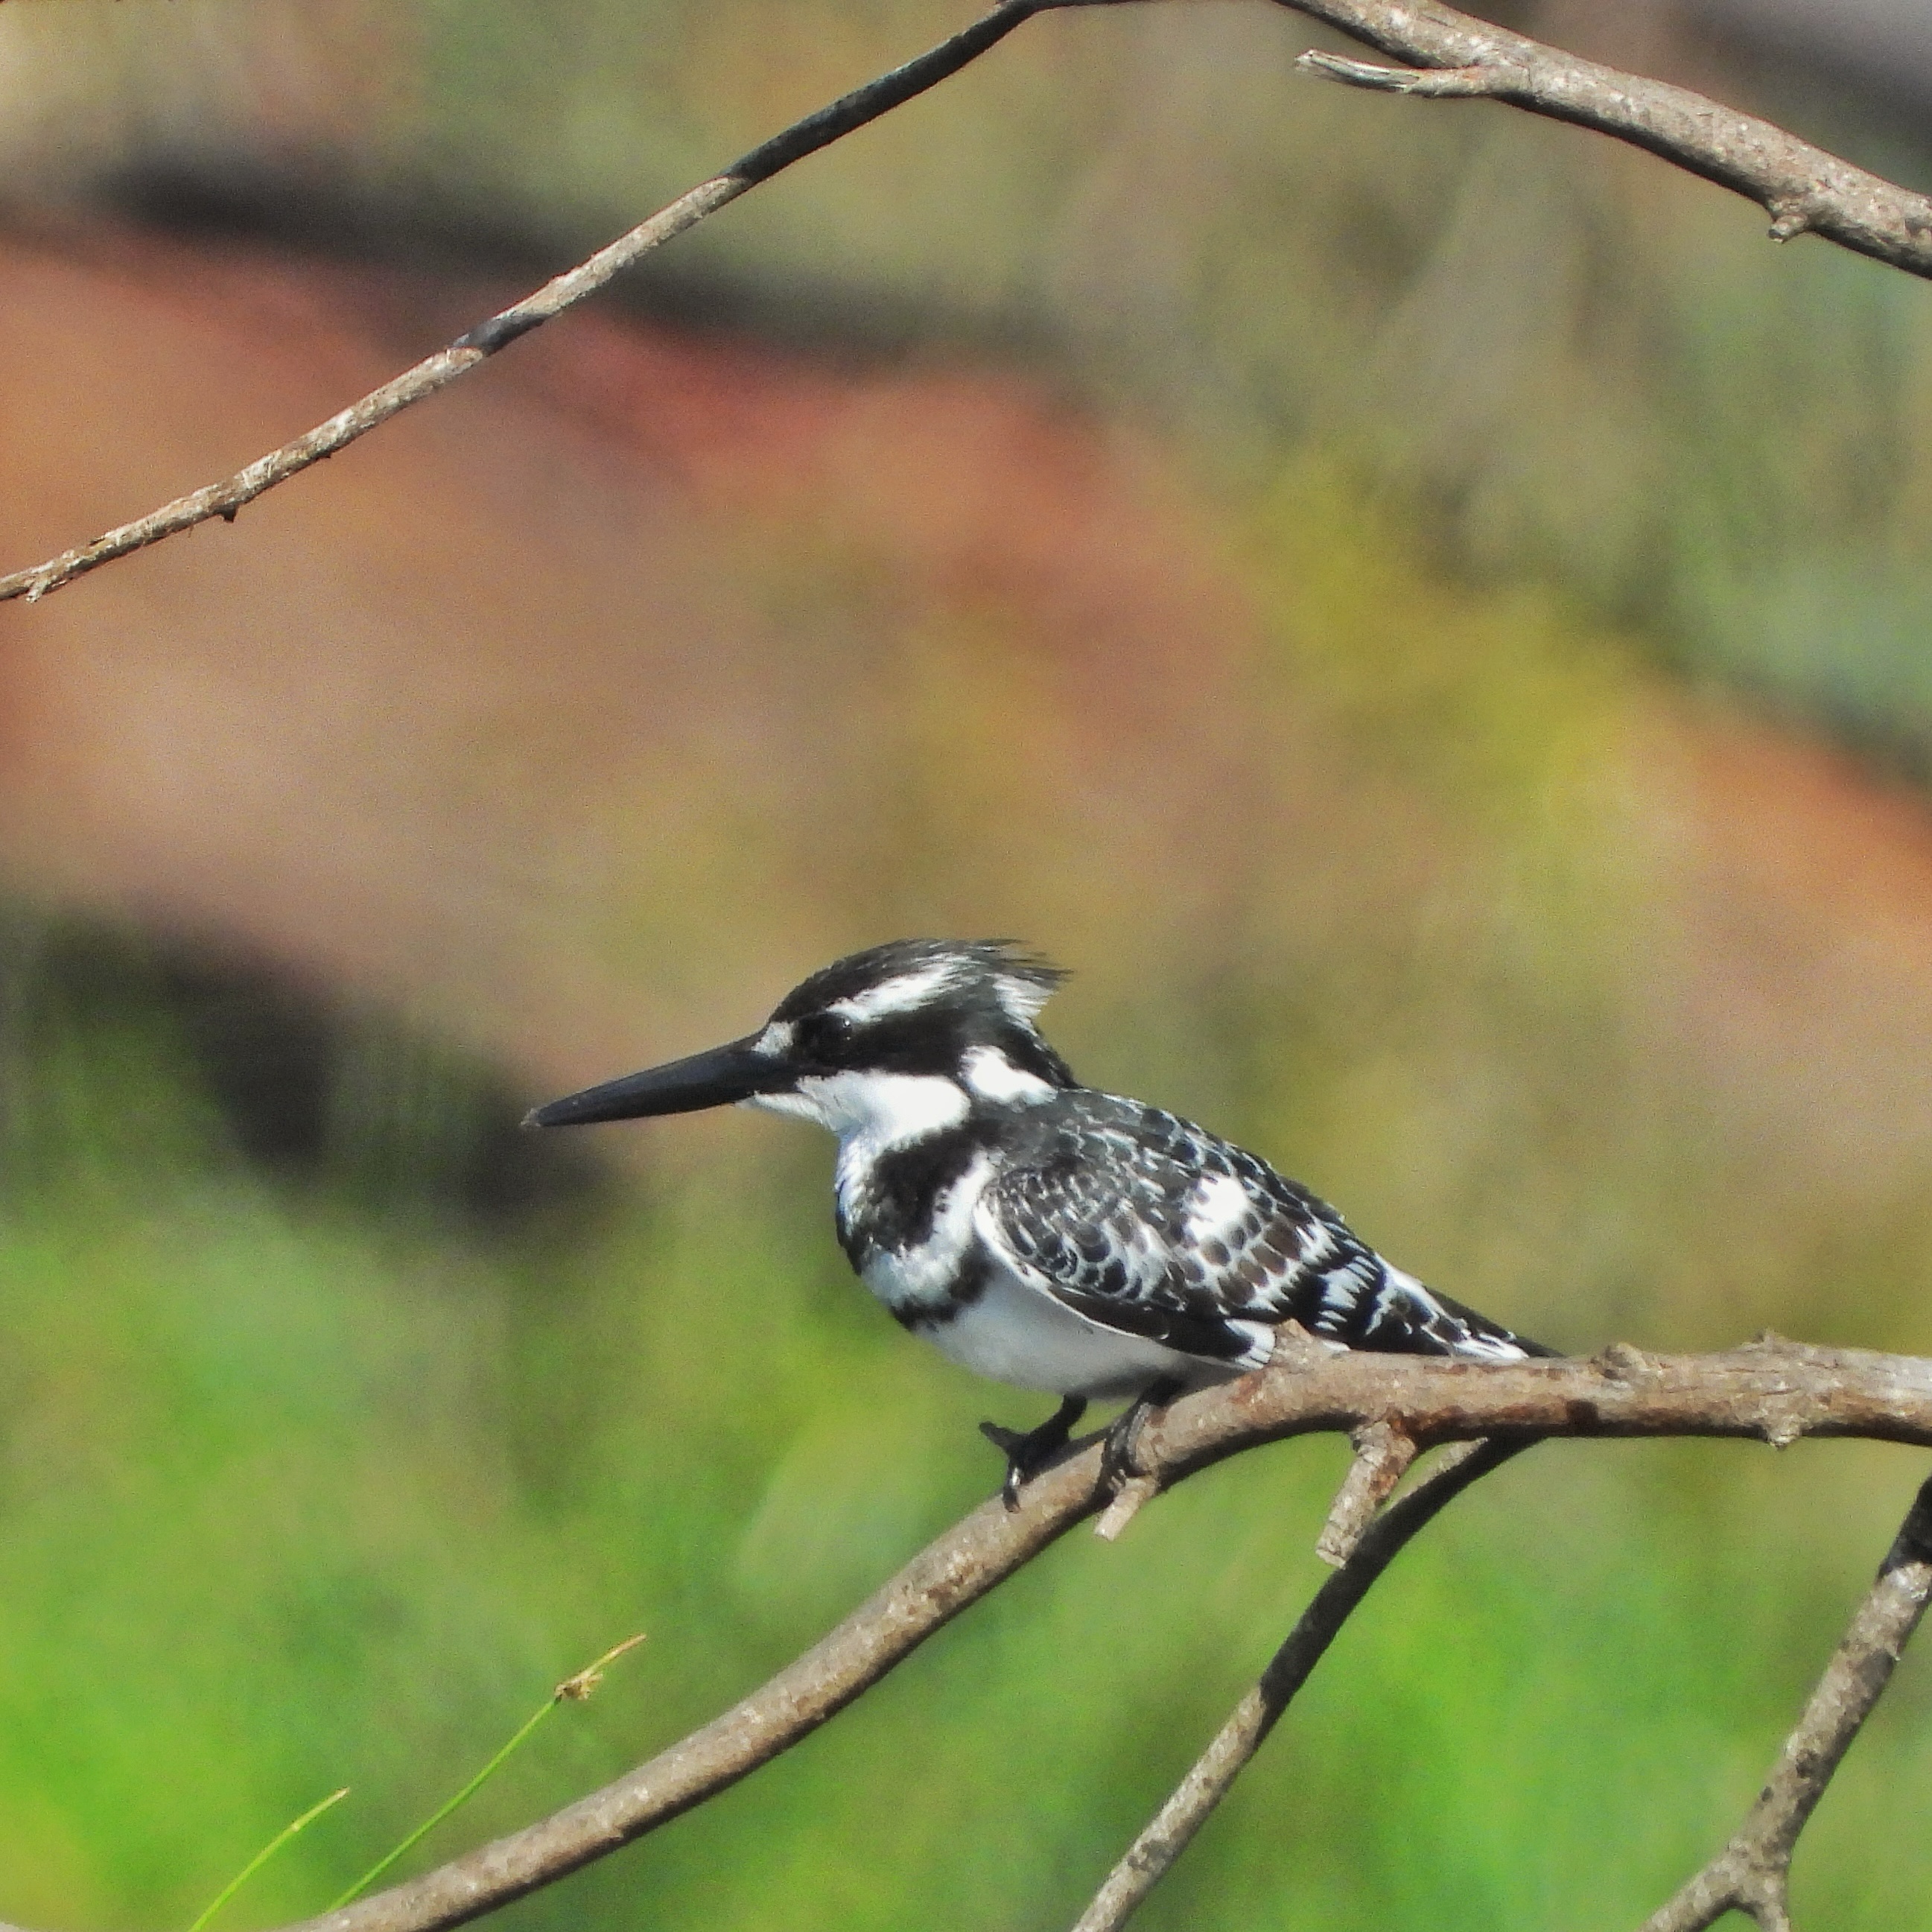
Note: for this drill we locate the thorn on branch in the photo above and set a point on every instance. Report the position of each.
(1449, 83)
(1622, 1363)
(1296, 1348)
(1129, 1499)
(1384, 1450)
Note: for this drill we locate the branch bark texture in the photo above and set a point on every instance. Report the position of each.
(1801, 188)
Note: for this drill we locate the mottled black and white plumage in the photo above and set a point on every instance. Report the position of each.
(1038, 1231)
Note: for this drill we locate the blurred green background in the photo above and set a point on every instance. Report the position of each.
(1424, 611)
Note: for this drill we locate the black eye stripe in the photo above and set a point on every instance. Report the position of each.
(934, 1039)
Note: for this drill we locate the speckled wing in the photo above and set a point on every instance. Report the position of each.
(1147, 1224)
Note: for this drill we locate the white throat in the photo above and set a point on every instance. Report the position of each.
(872, 1112)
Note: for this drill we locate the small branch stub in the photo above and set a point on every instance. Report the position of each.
(1450, 83)
(1384, 1450)
(1446, 55)
(1129, 1499)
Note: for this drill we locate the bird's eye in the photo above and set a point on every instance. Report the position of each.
(822, 1033)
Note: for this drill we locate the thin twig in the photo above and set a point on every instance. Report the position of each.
(1147, 1859)
(1802, 188)
(1752, 1872)
(475, 345)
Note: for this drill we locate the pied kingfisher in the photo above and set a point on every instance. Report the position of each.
(1038, 1231)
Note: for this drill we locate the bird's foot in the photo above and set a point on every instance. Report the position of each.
(1118, 1449)
(1027, 1451)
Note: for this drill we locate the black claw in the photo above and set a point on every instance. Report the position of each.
(1026, 1450)
(1123, 1433)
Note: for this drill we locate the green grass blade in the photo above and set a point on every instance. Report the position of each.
(574, 1689)
(267, 1851)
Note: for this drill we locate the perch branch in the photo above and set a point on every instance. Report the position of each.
(1802, 187)
(1770, 1390)
(1376, 1543)
(1752, 1872)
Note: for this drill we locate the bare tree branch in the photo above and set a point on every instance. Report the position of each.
(817, 130)
(1752, 1872)
(1801, 187)
(1146, 1861)
(1770, 1390)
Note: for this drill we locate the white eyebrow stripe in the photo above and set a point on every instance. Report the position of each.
(899, 994)
(1021, 998)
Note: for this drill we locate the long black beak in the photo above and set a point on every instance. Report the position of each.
(726, 1074)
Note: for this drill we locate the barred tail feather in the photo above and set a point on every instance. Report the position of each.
(1402, 1317)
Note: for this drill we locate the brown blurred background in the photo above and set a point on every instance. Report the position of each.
(1422, 610)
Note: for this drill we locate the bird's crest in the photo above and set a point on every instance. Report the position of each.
(906, 975)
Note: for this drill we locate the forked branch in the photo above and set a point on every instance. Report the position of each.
(1802, 187)
(1752, 1872)
(1770, 1390)
(1453, 56)
(1147, 1860)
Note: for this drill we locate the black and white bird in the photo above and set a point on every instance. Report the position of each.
(1038, 1231)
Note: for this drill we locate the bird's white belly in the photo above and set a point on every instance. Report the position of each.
(1013, 1333)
